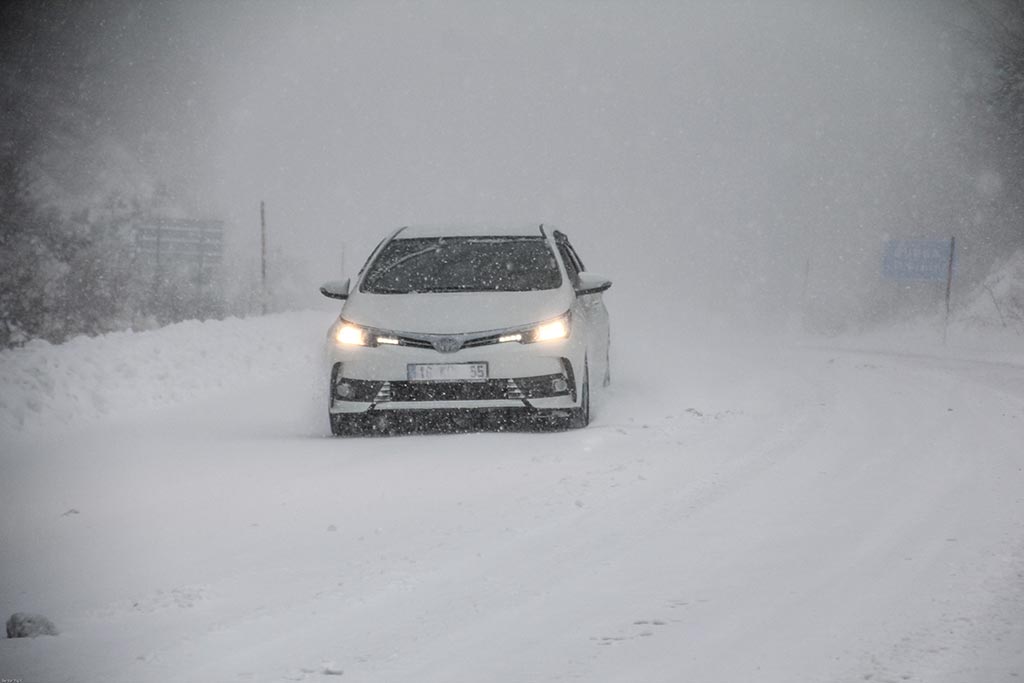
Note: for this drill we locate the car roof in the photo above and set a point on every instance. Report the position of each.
(471, 230)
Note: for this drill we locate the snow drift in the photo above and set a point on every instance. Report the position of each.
(998, 302)
(122, 373)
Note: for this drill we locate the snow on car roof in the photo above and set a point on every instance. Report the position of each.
(475, 230)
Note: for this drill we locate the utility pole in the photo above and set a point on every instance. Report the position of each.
(158, 280)
(803, 292)
(200, 303)
(949, 286)
(263, 257)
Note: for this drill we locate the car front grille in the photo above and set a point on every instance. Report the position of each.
(437, 342)
(414, 342)
(518, 388)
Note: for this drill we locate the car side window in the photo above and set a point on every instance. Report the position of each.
(575, 257)
(571, 264)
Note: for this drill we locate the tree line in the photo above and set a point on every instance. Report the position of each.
(74, 182)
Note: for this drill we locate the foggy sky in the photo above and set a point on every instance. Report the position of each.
(701, 151)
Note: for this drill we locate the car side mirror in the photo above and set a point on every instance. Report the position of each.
(336, 289)
(592, 284)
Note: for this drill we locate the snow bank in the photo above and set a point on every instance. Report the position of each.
(999, 301)
(987, 324)
(122, 373)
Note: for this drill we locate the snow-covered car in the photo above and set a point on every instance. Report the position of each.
(490, 321)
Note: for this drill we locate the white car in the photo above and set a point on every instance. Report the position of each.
(444, 321)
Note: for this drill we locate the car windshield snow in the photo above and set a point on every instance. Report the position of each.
(463, 264)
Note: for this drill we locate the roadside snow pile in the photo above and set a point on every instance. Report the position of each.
(44, 385)
(987, 324)
(999, 300)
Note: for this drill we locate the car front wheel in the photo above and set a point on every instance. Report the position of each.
(580, 417)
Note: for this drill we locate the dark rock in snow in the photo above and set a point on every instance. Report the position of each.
(22, 625)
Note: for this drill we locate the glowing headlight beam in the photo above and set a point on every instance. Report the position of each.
(510, 338)
(556, 329)
(350, 335)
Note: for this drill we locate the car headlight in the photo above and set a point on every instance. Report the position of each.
(548, 330)
(350, 334)
(345, 333)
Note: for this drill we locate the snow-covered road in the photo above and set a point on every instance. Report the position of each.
(751, 512)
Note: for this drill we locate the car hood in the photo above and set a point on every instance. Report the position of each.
(456, 312)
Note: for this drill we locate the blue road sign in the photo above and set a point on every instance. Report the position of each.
(916, 259)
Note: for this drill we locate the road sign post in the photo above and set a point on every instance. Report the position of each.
(263, 258)
(922, 260)
(949, 286)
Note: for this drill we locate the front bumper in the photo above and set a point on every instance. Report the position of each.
(534, 377)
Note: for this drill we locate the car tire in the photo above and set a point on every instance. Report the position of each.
(580, 417)
(607, 365)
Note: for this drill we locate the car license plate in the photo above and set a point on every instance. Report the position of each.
(447, 372)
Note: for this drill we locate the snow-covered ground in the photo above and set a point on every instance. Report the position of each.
(745, 511)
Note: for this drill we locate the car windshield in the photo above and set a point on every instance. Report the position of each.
(463, 264)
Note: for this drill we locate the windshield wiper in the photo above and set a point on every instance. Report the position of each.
(416, 254)
(436, 248)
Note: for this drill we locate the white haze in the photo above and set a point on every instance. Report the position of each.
(700, 151)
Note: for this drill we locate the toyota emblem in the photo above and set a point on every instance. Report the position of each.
(447, 344)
